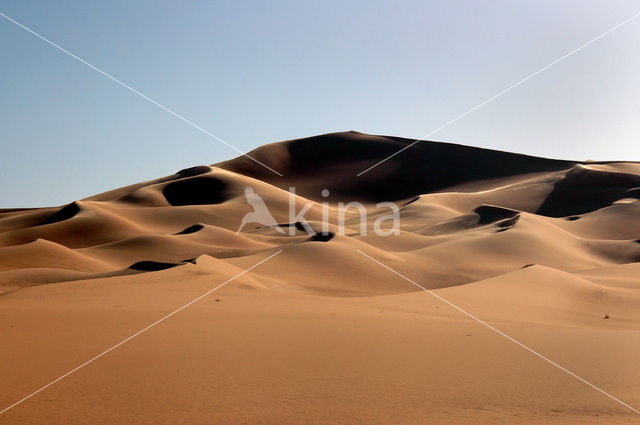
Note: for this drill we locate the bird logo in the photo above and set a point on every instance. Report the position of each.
(260, 213)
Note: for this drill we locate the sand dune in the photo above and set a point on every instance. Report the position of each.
(547, 250)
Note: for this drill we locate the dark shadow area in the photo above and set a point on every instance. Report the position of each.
(583, 190)
(509, 222)
(63, 214)
(298, 225)
(426, 166)
(152, 266)
(190, 229)
(491, 214)
(194, 171)
(633, 193)
(195, 191)
(327, 162)
(322, 237)
(411, 201)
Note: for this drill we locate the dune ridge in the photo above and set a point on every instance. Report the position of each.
(496, 201)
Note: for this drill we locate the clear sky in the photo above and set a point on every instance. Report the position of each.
(258, 72)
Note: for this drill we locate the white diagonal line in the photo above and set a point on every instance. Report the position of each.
(511, 87)
(147, 98)
(500, 332)
(138, 333)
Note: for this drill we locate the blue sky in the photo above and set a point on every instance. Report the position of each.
(258, 72)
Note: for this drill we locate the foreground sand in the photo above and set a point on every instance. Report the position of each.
(320, 333)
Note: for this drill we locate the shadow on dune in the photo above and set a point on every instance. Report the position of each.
(196, 191)
(190, 229)
(194, 171)
(322, 237)
(152, 266)
(332, 161)
(63, 214)
(583, 190)
(491, 214)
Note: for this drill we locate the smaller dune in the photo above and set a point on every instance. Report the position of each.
(24, 277)
(78, 225)
(545, 295)
(42, 253)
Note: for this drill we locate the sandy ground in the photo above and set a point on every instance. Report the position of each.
(545, 251)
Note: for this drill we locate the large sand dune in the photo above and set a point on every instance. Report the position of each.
(547, 251)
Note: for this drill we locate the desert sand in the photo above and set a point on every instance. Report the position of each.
(545, 251)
